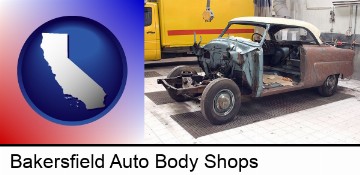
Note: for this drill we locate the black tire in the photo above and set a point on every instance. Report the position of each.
(328, 88)
(210, 104)
(176, 71)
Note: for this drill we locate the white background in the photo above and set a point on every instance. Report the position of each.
(271, 160)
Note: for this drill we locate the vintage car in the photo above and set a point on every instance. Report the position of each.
(288, 55)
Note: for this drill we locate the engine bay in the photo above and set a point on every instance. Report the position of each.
(239, 62)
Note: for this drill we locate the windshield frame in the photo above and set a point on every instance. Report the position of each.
(265, 26)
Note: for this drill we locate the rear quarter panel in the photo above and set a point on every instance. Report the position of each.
(322, 61)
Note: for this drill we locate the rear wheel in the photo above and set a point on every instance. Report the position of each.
(175, 72)
(220, 101)
(328, 88)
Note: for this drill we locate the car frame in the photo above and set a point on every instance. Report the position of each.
(236, 66)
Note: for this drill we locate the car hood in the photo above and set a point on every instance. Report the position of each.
(238, 44)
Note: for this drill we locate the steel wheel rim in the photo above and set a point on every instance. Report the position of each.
(224, 102)
(331, 82)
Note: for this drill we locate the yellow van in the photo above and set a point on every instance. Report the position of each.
(170, 25)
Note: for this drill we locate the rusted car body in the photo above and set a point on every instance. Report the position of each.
(317, 62)
(288, 55)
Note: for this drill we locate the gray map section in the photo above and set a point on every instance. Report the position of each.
(71, 78)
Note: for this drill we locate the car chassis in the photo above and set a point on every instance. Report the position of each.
(234, 66)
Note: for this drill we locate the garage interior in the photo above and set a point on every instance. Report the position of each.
(298, 117)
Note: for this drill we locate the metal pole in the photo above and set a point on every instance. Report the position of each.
(350, 21)
(356, 9)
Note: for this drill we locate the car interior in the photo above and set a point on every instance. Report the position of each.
(282, 56)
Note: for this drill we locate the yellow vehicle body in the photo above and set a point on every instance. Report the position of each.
(173, 24)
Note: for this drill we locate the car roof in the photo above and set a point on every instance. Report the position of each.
(280, 21)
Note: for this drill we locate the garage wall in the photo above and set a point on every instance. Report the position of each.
(357, 64)
(317, 12)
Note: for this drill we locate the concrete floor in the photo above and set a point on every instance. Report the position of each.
(336, 123)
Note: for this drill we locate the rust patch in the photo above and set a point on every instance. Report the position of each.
(321, 61)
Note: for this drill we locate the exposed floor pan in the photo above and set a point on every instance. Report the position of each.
(276, 80)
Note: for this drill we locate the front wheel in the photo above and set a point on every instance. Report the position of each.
(175, 72)
(328, 88)
(220, 101)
